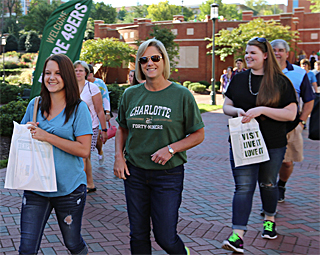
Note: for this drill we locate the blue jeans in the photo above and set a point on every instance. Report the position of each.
(156, 194)
(246, 178)
(35, 212)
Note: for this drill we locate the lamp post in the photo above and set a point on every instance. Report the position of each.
(3, 43)
(214, 15)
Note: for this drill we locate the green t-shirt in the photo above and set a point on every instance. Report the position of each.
(156, 119)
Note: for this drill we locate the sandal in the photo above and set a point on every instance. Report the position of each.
(89, 190)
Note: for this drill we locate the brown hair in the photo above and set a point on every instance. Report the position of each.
(273, 79)
(70, 85)
(305, 61)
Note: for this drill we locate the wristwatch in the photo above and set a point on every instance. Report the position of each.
(302, 121)
(171, 150)
(104, 129)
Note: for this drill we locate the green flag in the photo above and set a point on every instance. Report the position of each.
(63, 33)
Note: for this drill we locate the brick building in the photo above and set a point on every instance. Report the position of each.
(194, 63)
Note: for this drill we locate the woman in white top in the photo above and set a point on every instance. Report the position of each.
(90, 93)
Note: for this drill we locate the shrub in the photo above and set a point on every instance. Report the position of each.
(11, 92)
(11, 43)
(192, 84)
(13, 111)
(199, 88)
(207, 84)
(22, 42)
(12, 54)
(186, 83)
(32, 42)
(26, 58)
(116, 92)
(10, 65)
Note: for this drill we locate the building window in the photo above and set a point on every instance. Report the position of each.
(120, 36)
(189, 57)
(125, 36)
(174, 31)
(314, 36)
(131, 34)
(190, 31)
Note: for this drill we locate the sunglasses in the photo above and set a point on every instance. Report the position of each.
(259, 39)
(154, 58)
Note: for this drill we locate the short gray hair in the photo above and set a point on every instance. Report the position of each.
(84, 64)
(281, 42)
(162, 50)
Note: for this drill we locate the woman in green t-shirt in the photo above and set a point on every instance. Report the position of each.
(158, 121)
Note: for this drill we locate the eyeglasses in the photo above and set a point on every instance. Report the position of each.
(259, 39)
(154, 58)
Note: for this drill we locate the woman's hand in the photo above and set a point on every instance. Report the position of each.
(104, 137)
(161, 156)
(36, 132)
(252, 113)
(120, 168)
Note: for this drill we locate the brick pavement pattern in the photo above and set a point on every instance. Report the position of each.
(205, 213)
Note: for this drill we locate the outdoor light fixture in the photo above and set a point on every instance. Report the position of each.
(214, 15)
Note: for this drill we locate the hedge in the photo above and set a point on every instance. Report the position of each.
(10, 93)
(13, 111)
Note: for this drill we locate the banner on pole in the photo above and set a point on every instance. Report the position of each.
(63, 33)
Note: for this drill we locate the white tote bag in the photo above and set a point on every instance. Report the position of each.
(31, 162)
(248, 145)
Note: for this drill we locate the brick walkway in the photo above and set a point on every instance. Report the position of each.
(205, 214)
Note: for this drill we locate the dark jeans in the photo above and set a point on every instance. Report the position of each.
(246, 178)
(156, 194)
(36, 211)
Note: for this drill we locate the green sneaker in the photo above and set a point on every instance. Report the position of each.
(269, 230)
(234, 243)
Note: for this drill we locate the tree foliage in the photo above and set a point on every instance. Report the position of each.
(32, 42)
(228, 11)
(235, 41)
(11, 43)
(109, 52)
(139, 11)
(162, 11)
(258, 6)
(14, 6)
(167, 38)
(122, 13)
(101, 11)
(39, 13)
(316, 6)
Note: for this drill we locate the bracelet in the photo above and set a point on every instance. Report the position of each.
(104, 129)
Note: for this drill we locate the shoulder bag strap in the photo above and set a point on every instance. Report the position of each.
(35, 108)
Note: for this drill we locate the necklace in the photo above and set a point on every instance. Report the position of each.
(254, 94)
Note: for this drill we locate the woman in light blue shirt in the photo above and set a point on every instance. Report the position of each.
(64, 121)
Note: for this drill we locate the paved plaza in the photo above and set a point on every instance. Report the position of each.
(205, 213)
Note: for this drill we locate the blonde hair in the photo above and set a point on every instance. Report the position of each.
(162, 50)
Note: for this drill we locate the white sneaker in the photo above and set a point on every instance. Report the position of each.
(101, 159)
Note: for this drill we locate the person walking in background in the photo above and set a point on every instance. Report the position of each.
(158, 121)
(313, 55)
(106, 106)
(64, 121)
(132, 78)
(305, 64)
(226, 78)
(263, 92)
(90, 94)
(300, 81)
(221, 78)
(239, 67)
(302, 55)
(316, 72)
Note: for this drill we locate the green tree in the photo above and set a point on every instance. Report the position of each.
(139, 11)
(316, 6)
(11, 43)
(235, 41)
(101, 11)
(109, 52)
(32, 42)
(122, 13)
(22, 42)
(11, 27)
(165, 35)
(258, 6)
(14, 6)
(187, 13)
(272, 9)
(39, 13)
(163, 11)
(228, 11)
